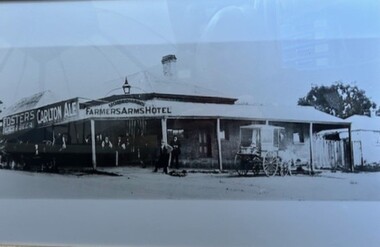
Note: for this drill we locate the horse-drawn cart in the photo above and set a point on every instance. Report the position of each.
(259, 150)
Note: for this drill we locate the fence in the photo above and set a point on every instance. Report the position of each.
(329, 153)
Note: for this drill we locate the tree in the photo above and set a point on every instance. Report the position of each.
(338, 99)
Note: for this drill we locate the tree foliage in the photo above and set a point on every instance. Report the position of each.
(339, 99)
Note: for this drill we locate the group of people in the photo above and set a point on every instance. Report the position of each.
(106, 149)
(162, 157)
(61, 141)
(121, 150)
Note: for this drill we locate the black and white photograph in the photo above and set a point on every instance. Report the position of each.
(189, 106)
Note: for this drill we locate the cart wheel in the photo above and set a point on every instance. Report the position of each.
(241, 165)
(285, 169)
(256, 167)
(270, 164)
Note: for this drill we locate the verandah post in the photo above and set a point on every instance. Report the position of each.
(93, 147)
(219, 144)
(351, 153)
(164, 128)
(311, 148)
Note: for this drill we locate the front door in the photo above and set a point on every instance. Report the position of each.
(205, 143)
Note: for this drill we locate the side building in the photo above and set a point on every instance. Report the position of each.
(365, 132)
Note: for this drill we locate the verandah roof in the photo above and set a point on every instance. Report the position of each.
(300, 114)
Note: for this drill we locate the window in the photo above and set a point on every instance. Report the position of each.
(298, 136)
(278, 138)
(226, 131)
(267, 136)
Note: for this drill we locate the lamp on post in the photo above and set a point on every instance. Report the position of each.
(126, 87)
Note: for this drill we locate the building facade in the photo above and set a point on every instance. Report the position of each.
(126, 129)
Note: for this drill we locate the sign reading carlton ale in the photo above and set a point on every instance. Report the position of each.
(44, 116)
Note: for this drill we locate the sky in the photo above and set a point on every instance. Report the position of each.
(263, 51)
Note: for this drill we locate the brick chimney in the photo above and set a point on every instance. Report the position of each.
(169, 65)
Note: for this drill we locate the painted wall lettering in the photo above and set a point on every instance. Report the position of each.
(43, 116)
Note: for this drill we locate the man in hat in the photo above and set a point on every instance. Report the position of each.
(176, 144)
(164, 157)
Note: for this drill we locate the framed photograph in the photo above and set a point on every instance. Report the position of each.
(189, 123)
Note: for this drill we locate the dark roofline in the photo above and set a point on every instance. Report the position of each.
(169, 97)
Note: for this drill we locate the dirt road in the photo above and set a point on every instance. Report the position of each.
(138, 183)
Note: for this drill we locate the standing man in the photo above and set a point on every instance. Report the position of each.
(164, 156)
(59, 144)
(121, 150)
(176, 144)
(107, 151)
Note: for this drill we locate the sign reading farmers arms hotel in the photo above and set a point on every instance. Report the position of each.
(44, 116)
(130, 111)
(127, 107)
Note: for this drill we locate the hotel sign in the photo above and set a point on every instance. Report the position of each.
(44, 116)
(129, 111)
(127, 107)
(127, 100)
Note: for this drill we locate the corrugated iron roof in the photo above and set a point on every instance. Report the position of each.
(31, 102)
(302, 114)
(364, 122)
(153, 80)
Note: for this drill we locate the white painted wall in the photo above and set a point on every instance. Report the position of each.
(370, 144)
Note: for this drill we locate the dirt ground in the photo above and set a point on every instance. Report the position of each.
(139, 183)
